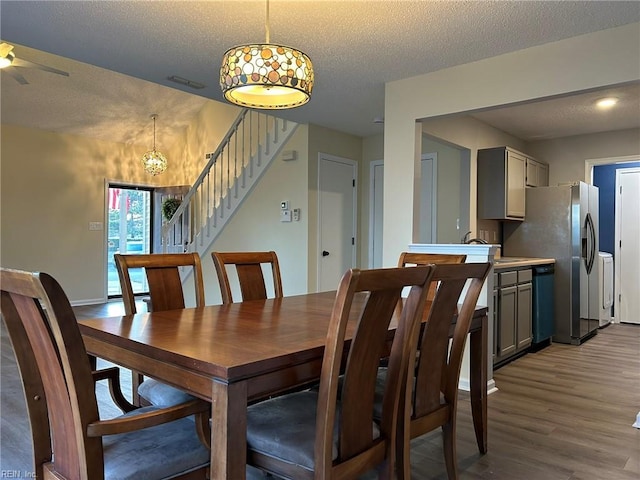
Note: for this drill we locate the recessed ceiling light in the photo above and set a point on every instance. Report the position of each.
(606, 102)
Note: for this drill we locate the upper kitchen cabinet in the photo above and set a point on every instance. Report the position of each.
(537, 173)
(501, 183)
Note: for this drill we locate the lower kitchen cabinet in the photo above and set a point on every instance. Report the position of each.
(524, 331)
(514, 313)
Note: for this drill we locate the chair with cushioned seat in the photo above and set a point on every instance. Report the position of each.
(69, 439)
(320, 434)
(163, 275)
(437, 370)
(417, 258)
(250, 273)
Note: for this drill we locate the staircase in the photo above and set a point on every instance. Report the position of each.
(231, 172)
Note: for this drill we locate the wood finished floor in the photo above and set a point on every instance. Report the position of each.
(563, 413)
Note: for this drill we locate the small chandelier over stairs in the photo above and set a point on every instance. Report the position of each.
(154, 162)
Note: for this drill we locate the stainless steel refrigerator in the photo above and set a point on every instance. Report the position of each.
(561, 222)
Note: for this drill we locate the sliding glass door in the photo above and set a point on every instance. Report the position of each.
(129, 225)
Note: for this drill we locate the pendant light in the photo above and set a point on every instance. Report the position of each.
(266, 75)
(154, 162)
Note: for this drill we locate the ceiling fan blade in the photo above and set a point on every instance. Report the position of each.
(5, 48)
(19, 62)
(19, 78)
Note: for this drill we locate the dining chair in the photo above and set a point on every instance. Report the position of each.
(417, 258)
(409, 259)
(321, 434)
(69, 439)
(433, 398)
(249, 270)
(162, 271)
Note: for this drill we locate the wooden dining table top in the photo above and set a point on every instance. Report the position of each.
(234, 354)
(228, 342)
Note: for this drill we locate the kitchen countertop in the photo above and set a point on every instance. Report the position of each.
(516, 262)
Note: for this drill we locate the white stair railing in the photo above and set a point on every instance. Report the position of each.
(243, 155)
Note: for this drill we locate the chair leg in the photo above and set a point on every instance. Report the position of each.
(403, 457)
(136, 380)
(449, 447)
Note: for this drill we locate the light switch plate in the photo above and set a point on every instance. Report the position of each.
(285, 215)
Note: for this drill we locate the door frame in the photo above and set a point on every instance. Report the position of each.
(110, 183)
(433, 156)
(618, 261)
(373, 213)
(322, 157)
(588, 178)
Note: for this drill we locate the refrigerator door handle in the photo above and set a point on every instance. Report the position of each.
(591, 231)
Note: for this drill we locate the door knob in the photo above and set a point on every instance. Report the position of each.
(325, 253)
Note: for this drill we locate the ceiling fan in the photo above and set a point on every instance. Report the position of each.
(8, 60)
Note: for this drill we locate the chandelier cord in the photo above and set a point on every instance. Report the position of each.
(266, 24)
(154, 133)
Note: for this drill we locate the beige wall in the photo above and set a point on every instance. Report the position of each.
(566, 156)
(53, 185)
(580, 63)
(256, 226)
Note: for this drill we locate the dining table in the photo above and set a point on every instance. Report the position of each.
(236, 354)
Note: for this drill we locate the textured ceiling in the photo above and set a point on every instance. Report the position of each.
(356, 46)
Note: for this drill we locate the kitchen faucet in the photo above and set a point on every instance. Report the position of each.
(468, 240)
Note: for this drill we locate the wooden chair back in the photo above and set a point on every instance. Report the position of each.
(50, 350)
(416, 258)
(358, 450)
(165, 288)
(163, 276)
(248, 266)
(63, 409)
(437, 373)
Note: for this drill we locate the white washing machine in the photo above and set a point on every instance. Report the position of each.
(605, 287)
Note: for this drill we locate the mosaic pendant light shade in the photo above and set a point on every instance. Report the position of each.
(266, 76)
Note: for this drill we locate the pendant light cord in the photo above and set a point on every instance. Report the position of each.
(266, 24)
(154, 132)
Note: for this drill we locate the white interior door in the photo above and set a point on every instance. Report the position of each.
(428, 198)
(337, 219)
(376, 199)
(627, 246)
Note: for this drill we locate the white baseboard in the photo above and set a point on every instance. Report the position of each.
(464, 385)
(88, 301)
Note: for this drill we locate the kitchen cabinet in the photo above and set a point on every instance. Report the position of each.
(514, 313)
(524, 332)
(501, 184)
(537, 173)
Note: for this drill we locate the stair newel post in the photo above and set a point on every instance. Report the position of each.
(267, 134)
(235, 162)
(259, 143)
(275, 130)
(208, 216)
(244, 162)
(228, 190)
(251, 145)
(216, 195)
